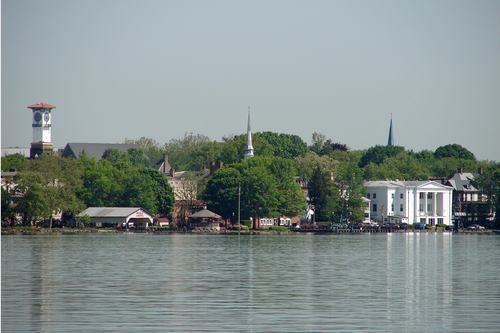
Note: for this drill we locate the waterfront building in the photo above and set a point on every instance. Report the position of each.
(205, 220)
(122, 217)
(470, 205)
(411, 202)
(42, 129)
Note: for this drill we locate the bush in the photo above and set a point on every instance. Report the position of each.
(279, 228)
(247, 223)
(240, 227)
(428, 227)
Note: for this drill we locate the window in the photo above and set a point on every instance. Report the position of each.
(421, 195)
(374, 195)
(392, 207)
(400, 207)
(429, 195)
(440, 220)
(400, 195)
(428, 206)
(392, 195)
(374, 207)
(368, 195)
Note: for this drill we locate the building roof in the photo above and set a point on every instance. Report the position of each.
(110, 211)
(94, 150)
(41, 106)
(383, 183)
(463, 182)
(205, 213)
(16, 150)
(397, 183)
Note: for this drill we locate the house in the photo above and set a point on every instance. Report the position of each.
(118, 217)
(426, 202)
(469, 204)
(94, 150)
(205, 220)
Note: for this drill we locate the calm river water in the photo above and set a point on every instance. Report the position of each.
(283, 283)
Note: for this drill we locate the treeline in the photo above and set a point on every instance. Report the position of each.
(51, 184)
(268, 183)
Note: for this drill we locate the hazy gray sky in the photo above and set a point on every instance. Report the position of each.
(120, 69)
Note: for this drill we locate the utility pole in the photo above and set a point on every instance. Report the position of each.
(239, 205)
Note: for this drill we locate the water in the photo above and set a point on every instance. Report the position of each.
(217, 283)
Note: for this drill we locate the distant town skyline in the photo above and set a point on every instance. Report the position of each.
(119, 70)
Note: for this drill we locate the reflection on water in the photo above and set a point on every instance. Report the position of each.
(216, 283)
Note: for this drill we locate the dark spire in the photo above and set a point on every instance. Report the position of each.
(390, 141)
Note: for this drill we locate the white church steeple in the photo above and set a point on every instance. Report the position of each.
(249, 147)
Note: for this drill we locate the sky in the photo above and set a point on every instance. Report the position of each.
(118, 69)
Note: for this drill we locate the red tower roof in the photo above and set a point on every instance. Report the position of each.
(41, 106)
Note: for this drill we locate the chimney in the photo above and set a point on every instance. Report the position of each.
(214, 166)
(480, 171)
(460, 170)
(172, 172)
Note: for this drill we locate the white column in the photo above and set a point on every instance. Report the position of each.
(425, 203)
(434, 202)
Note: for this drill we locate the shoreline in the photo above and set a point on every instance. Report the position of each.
(73, 231)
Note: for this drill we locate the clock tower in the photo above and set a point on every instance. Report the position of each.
(42, 125)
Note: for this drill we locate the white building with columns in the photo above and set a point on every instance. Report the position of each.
(410, 202)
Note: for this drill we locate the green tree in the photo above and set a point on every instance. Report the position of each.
(102, 183)
(323, 195)
(32, 199)
(8, 212)
(489, 183)
(349, 185)
(163, 193)
(259, 193)
(291, 199)
(233, 147)
(378, 154)
(318, 141)
(221, 192)
(311, 161)
(149, 146)
(402, 166)
(282, 145)
(329, 147)
(454, 150)
(16, 162)
(61, 180)
(193, 152)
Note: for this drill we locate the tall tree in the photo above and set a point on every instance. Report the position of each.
(454, 150)
(323, 194)
(318, 141)
(221, 192)
(489, 183)
(32, 198)
(378, 154)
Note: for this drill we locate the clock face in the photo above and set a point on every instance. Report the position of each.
(46, 116)
(37, 116)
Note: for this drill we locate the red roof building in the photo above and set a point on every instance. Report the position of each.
(41, 106)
